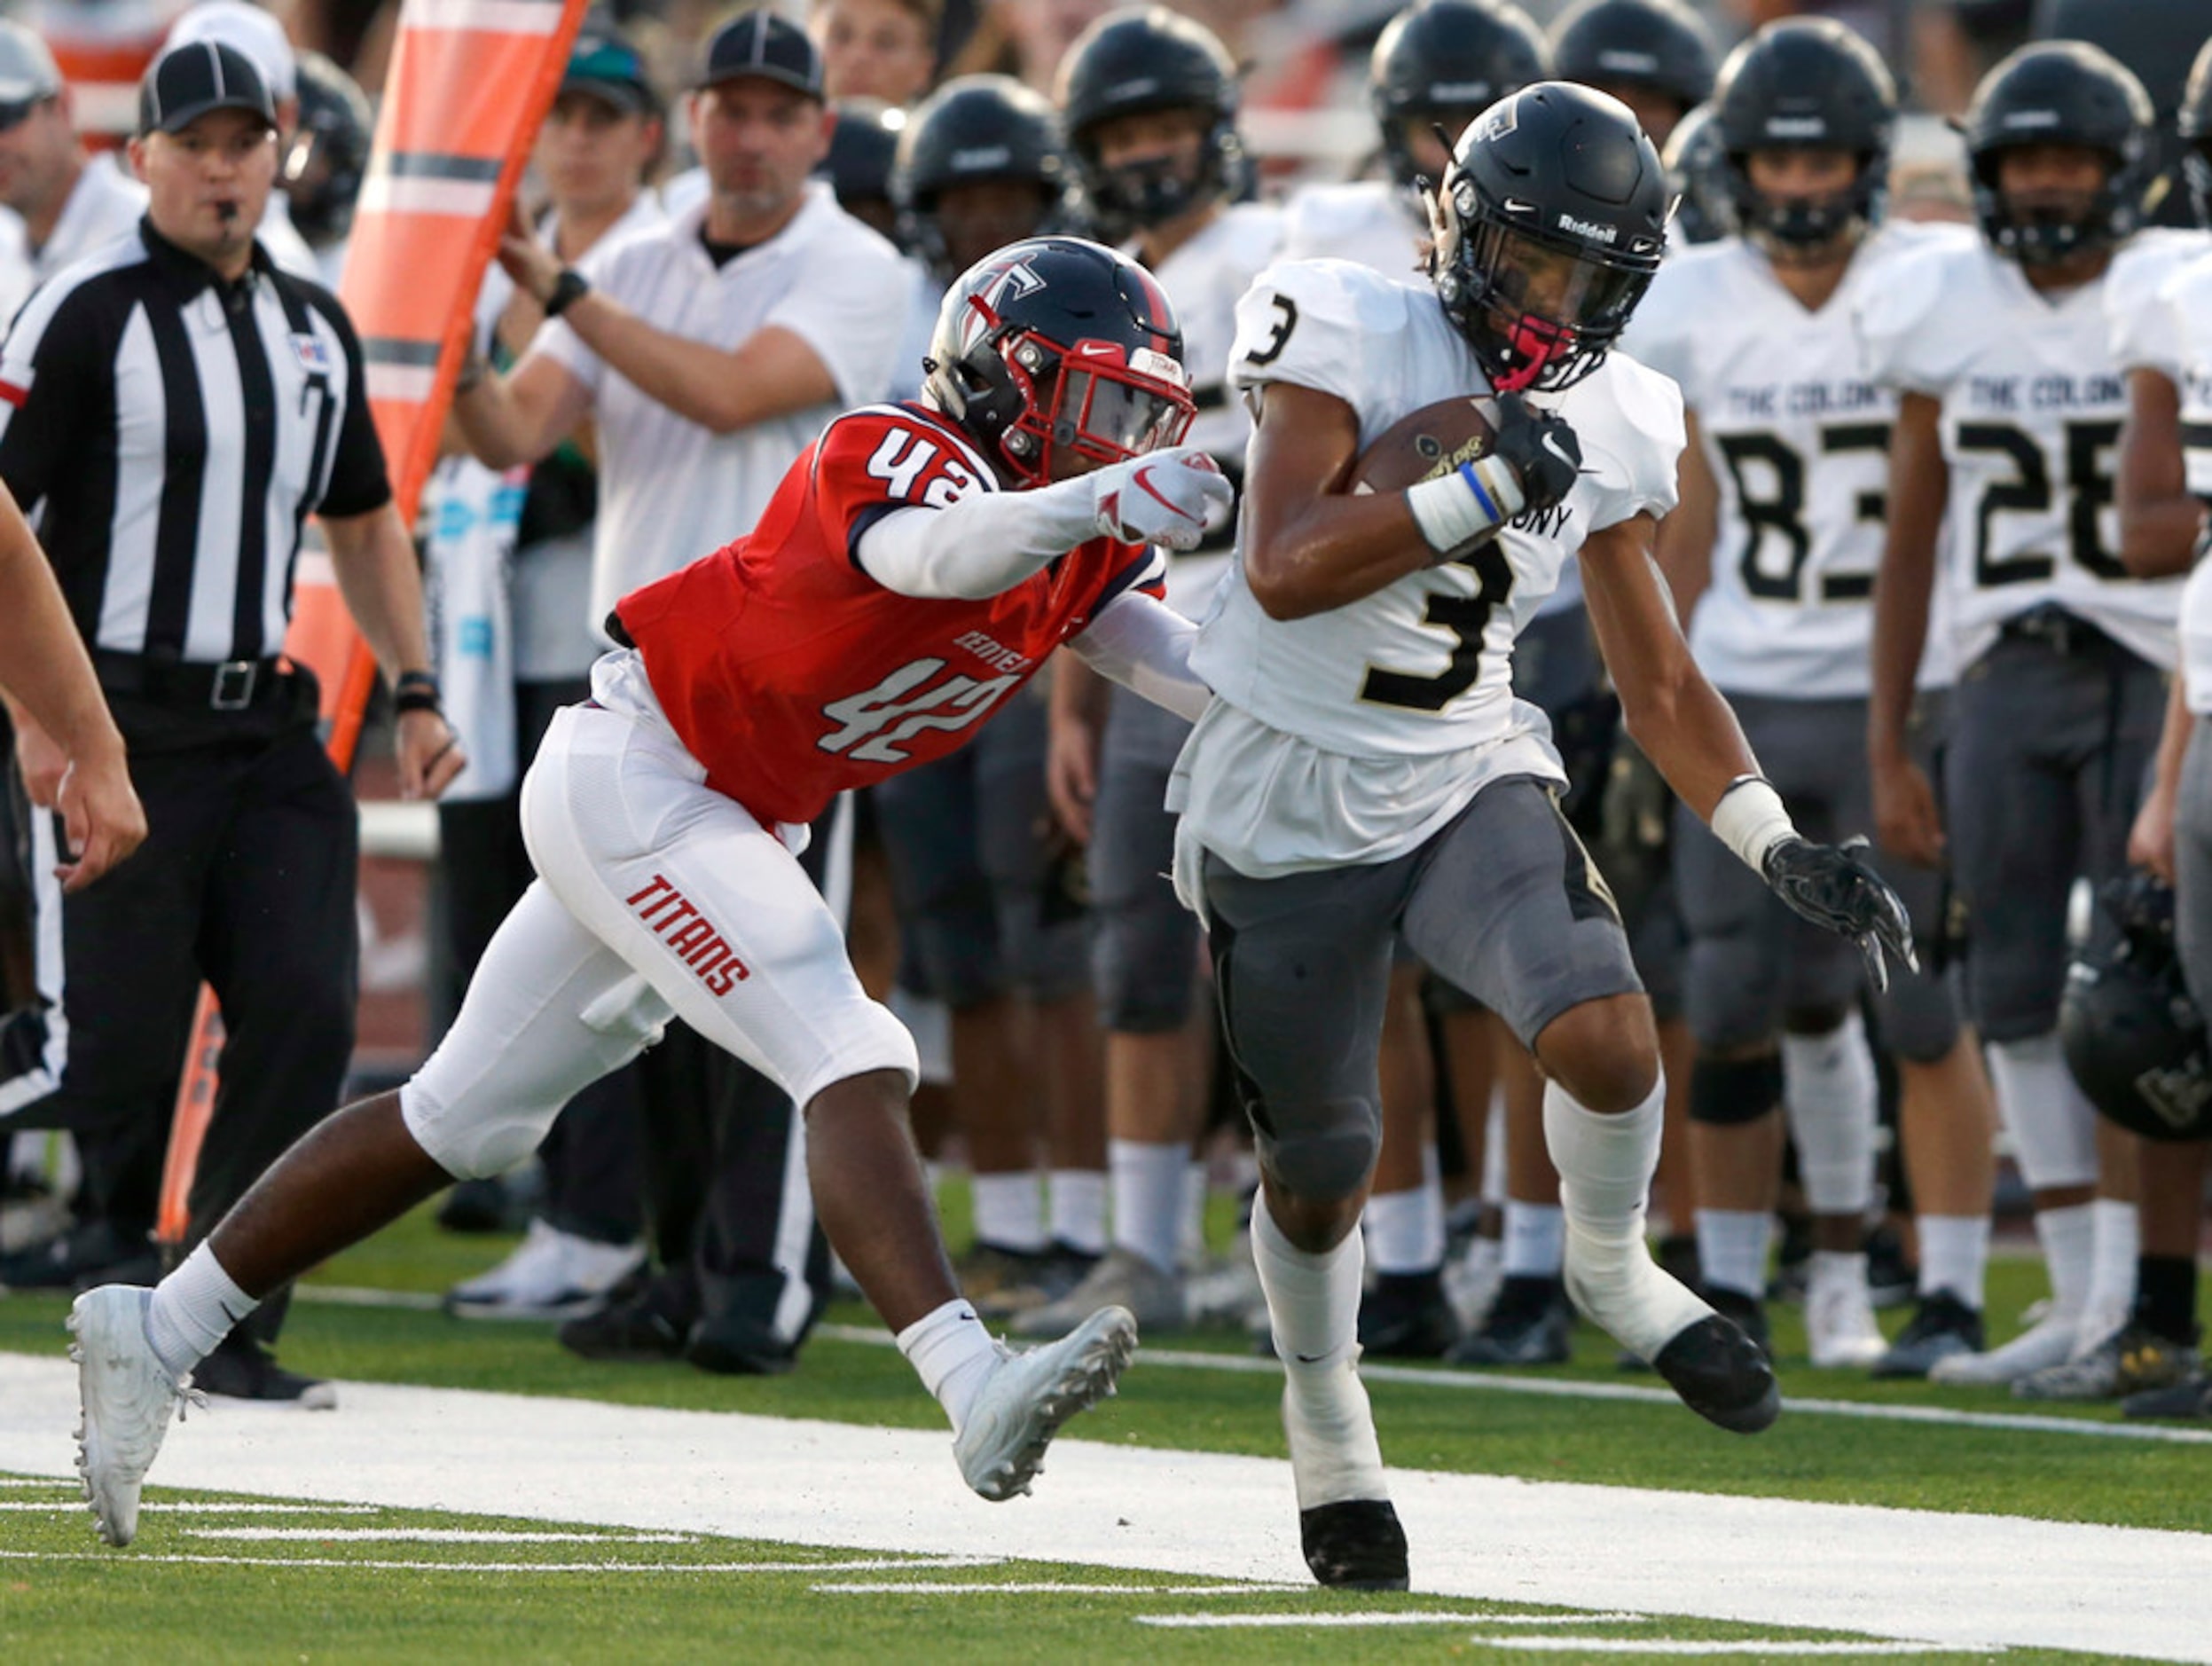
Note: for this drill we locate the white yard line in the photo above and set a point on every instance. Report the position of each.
(428, 1536)
(858, 1565)
(75, 1501)
(1954, 1580)
(1376, 1616)
(1027, 1587)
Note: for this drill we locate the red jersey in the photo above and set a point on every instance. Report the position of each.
(793, 676)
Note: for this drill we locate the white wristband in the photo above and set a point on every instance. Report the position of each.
(1454, 509)
(1751, 820)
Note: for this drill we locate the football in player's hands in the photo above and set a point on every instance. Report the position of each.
(1540, 450)
(1427, 445)
(1167, 498)
(1833, 886)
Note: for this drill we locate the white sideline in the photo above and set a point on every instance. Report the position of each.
(1964, 1580)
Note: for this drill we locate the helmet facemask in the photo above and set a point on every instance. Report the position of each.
(2045, 233)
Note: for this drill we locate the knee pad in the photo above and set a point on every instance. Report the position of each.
(474, 1144)
(1729, 1092)
(1918, 1018)
(1320, 1151)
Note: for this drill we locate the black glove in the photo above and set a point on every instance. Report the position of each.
(1830, 886)
(1540, 450)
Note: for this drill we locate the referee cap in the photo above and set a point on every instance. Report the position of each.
(767, 47)
(28, 71)
(254, 32)
(186, 82)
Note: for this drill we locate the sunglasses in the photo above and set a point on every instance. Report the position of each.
(15, 112)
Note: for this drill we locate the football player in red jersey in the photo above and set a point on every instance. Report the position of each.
(916, 565)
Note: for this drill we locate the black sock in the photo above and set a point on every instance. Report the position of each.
(2166, 1296)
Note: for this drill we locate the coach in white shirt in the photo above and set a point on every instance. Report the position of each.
(714, 351)
(71, 203)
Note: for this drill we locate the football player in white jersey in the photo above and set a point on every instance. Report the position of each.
(2165, 348)
(1774, 545)
(1149, 100)
(2010, 406)
(1364, 772)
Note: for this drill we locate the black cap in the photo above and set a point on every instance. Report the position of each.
(608, 67)
(187, 81)
(762, 44)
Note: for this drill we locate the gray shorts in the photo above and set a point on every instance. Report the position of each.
(2048, 756)
(1503, 903)
(1144, 943)
(965, 839)
(1753, 963)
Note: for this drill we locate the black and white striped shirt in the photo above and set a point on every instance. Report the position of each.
(174, 431)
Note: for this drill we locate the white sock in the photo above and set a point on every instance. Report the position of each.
(1313, 1305)
(1835, 1267)
(1079, 1208)
(1829, 1094)
(2115, 1241)
(2068, 1238)
(1954, 1255)
(1191, 1245)
(1148, 1181)
(2052, 1124)
(1535, 1239)
(1010, 1211)
(192, 1310)
(1493, 1149)
(1732, 1247)
(1405, 1229)
(953, 1354)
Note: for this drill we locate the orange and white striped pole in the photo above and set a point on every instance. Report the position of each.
(469, 86)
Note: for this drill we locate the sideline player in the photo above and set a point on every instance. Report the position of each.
(1772, 556)
(914, 568)
(1364, 771)
(2009, 408)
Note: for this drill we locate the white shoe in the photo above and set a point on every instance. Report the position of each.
(1839, 1325)
(1472, 1283)
(1229, 1290)
(1000, 1448)
(1122, 1278)
(2048, 1343)
(125, 1397)
(552, 1274)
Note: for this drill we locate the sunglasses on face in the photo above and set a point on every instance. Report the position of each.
(15, 112)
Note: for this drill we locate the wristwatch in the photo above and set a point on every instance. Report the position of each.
(568, 289)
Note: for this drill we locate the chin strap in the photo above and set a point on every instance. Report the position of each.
(1535, 345)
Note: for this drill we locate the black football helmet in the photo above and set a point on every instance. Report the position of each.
(1126, 63)
(1056, 352)
(2133, 1038)
(1806, 83)
(1545, 232)
(2195, 125)
(1445, 62)
(858, 166)
(328, 153)
(978, 129)
(2059, 92)
(1661, 45)
(1697, 167)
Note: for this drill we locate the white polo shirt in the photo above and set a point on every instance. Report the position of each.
(671, 490)
(105, 204)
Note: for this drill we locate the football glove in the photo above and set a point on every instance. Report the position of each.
(1832, 887)
(1168, 498)
(1540, 450)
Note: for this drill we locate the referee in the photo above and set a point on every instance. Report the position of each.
(176, 407)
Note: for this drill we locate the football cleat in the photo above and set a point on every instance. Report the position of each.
(1355, 1545)
(2132, 1360)
(124, 1398)
(1722, 1375)
(2048, 1342)
(1840, 1332)
(1121, 1279)
(1944, 1326)
(1000, 1448)
(1406, 1315)
(1529, 1323)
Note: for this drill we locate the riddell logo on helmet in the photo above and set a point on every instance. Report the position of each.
(1590, 229)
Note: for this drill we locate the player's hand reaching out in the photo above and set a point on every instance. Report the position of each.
(1167, 498)
(1833, 886)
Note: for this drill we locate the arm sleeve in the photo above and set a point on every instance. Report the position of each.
(358, 483)
(51, 359)
(1144, 645)
(977, 545)
(851, 304)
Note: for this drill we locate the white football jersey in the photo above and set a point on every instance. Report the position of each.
(1204, 278)
(2032, 403)
(2179, 325)
(2143, 333)
(1797, 438)
(1385, 715)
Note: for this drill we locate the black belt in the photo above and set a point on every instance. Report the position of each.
(233, 685)
(618, 631)
(2062, 632)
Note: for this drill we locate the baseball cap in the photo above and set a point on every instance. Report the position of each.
(186, 82)
(762, 44)
(607, 66)
(250, 29)
(28, 71)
